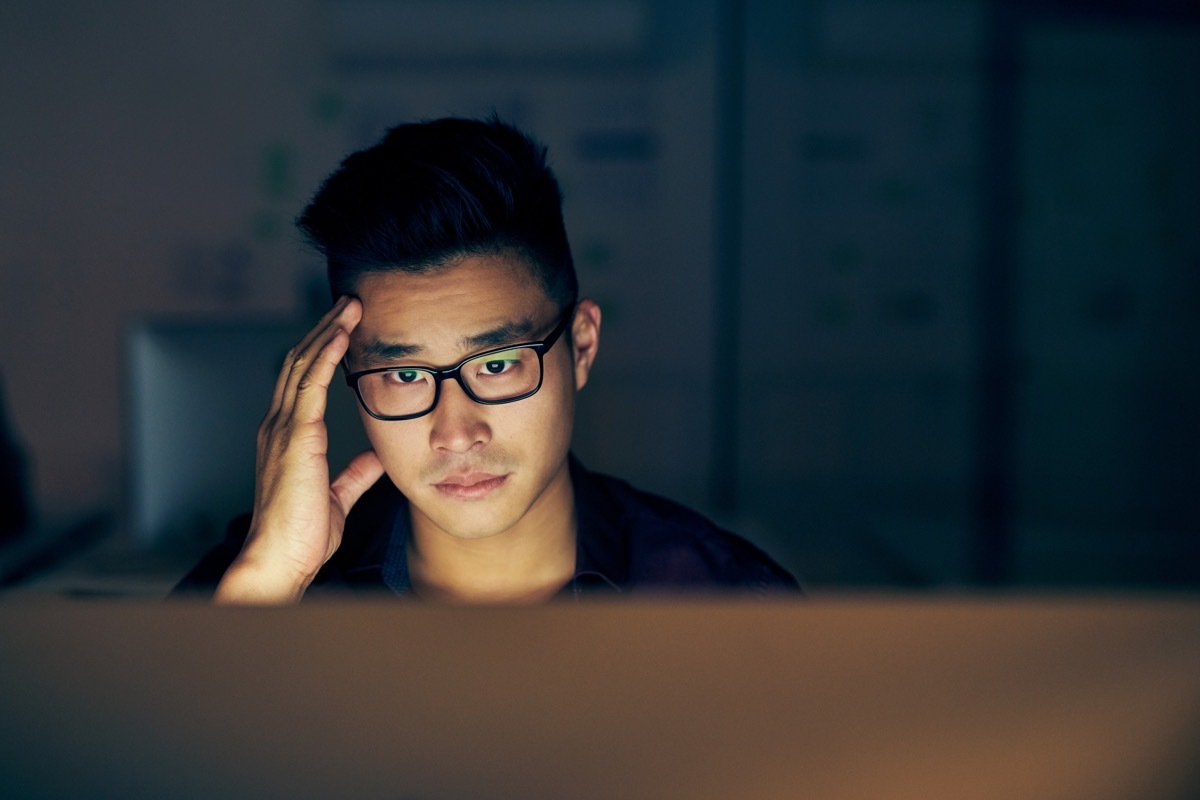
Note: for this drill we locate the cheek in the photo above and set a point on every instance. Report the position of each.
(555, 415)
(392, 440)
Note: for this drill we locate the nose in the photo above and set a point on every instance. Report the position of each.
(457, 421)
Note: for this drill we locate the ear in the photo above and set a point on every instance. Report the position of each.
(585, 339)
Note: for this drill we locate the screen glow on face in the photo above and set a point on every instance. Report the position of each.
(506, 365)
(502, 375)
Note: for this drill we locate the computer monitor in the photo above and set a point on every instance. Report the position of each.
(197, 391)
(872, 697)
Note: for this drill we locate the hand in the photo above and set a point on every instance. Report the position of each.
(299, 515)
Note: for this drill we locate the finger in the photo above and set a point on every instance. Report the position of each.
(361, 474)
(317, 337)
(285, 371)
(312, 390)
(326, 320)
(319, 340)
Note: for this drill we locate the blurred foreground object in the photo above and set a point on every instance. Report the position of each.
(1094, 699)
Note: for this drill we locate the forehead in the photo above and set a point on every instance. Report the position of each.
(438, 308)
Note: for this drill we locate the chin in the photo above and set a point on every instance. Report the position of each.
(475, 519)
(478, 525)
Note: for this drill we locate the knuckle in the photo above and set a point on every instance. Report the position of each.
(274, 433)
(268, 419)
(283, 430)
(308, 384)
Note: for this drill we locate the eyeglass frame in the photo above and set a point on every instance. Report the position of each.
(454, 373)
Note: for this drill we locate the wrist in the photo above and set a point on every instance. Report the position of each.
(260, 582)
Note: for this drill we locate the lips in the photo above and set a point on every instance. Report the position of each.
(470, 486)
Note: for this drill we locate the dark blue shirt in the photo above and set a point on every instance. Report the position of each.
(626, 541)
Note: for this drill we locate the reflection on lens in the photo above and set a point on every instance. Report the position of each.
(498, 376)
(493, 377)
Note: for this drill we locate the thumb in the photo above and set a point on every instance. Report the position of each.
(358, 476)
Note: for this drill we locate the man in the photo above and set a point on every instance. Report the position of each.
(458, 326)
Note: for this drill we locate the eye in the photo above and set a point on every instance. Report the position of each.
(505, 363)
(405, 376)
(497, 366)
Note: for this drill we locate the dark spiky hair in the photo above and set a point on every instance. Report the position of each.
(433, 192)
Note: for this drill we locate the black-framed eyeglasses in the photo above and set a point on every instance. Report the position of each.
(503, 375)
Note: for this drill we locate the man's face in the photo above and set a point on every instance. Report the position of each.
(472, 470)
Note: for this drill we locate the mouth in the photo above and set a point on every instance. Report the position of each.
(471, 486)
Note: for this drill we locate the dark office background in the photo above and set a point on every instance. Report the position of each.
(906, 292)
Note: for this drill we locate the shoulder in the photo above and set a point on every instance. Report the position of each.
(669, 545)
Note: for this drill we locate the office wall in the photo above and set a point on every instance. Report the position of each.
(136, 160)
(969, 291)
(860, 260)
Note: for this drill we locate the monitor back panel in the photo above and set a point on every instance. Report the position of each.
(707, 699)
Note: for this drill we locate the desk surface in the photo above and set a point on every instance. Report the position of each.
(849, 698)
(90, 559)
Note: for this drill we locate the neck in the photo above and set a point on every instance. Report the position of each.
(528, 563)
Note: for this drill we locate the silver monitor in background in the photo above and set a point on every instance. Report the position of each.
(197, 390)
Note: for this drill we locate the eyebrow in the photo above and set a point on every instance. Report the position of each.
(376, 351)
